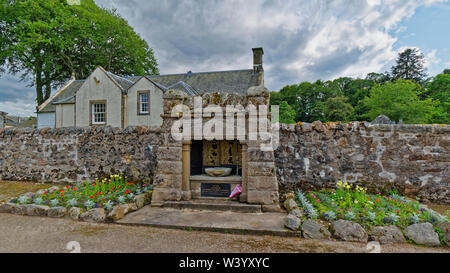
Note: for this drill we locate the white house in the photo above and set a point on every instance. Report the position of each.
(108, 99)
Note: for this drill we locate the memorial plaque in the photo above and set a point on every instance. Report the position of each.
(215, 190)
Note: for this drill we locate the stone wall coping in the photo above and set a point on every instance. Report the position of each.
(363, 125)
(108, 130)
(300, 127)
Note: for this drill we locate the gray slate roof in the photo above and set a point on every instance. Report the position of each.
(184, 87)
(123, 82)
(232, 81)
(69, 92)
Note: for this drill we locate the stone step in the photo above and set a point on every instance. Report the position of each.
(214, 205)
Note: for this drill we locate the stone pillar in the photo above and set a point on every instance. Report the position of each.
(243, 195)
(185, 185)
(261, 181)
(168, 181)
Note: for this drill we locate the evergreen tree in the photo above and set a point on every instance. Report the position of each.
(409, 66)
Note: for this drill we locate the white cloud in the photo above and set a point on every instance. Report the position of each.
(302, 40)
(431, 58)
(23, 108)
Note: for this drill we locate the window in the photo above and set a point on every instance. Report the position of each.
(98, 113)
(143, 103)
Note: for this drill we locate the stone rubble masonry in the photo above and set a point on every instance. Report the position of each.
(413, 159)
(78, 154)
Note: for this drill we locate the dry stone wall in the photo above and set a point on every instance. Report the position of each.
(413, 159)
(77, 154)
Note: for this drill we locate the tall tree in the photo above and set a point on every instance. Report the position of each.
(399, 100)
(48, 41)
(409, 66)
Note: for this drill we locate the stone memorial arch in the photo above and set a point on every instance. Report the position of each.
(186, 151)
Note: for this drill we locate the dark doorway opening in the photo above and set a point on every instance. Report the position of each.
(197, 157)
(208, 154)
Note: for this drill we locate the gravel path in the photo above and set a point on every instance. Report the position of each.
(36, 234)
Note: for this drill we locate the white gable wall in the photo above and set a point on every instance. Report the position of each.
(153, 119)
(99, 87)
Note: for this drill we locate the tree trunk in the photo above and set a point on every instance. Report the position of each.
(39, 84)
(48, 88)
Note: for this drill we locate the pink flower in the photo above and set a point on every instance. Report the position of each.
(318, 201)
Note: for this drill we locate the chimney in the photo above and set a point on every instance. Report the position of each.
(258, 64)
(258, 59)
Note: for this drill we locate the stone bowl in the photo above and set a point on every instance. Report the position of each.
(218, 172)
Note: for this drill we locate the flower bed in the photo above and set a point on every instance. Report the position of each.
(351, 204)
(354, 203)
(101, 196)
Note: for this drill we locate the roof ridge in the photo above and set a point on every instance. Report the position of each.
(63, 100)
(186, 86)
(172, 74)
(205, 72)
(119, 76)
(51, 98)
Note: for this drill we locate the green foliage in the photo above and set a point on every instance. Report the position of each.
(337, 109)
(406, 96)
(399, 100)
(441, 235)
(48, 41)
(306, 99)
(101, 193)
(353, 203)
(287, 114)
(379, 78)
(439, 90)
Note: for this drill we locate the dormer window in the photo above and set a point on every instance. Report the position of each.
(143, 102)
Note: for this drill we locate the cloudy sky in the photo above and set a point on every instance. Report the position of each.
(302, 40)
